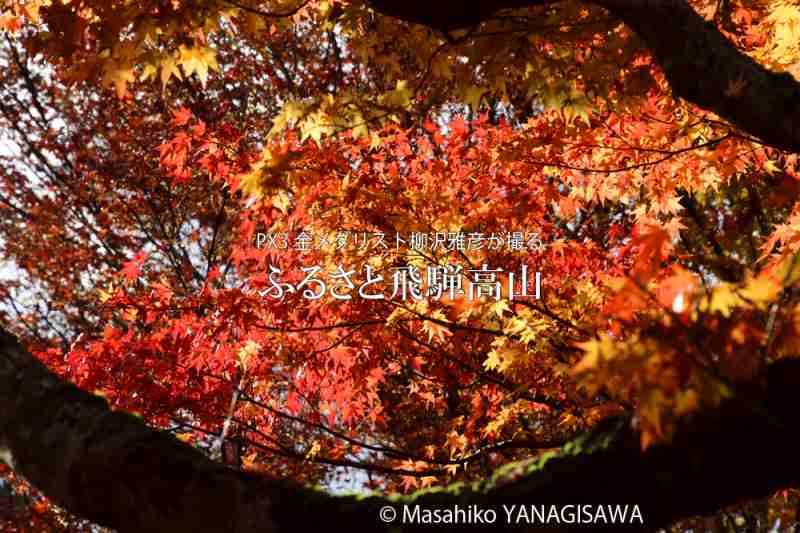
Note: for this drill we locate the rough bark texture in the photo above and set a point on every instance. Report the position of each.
(700, 63)
(111, 468)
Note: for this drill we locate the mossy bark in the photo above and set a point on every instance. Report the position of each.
(109, 467)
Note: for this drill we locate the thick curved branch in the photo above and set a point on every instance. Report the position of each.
(111, 468)
(702, 66)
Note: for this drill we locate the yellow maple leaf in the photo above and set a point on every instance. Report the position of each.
(291, 112)
(436, 330)
(315, 126)
(514, 326)
(788, 270)
(313, 451)
(360, 128)
(197, 60)
(119, 75)
(785, 18)
(149, 71)
(282, 202)
(249, 349)
(451, 469)
(499, 307)
(493, 360)
(169, 68)
(595, 351)
(250, 183)
(399, 313)
(456, 442)
(375, 141)
(724, 299)
(761, 290)
(105, 295)
(31, 9)
(399, 97)
(770, 166)
(502, 357)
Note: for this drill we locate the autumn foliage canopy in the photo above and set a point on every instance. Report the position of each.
(175, 176)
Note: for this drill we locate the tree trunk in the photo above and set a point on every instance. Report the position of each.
(111, 468)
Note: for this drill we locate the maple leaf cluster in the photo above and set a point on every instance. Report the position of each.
(160, 141)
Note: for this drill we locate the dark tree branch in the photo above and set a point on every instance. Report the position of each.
(449, 15)
(109, 467)
(702, 66)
